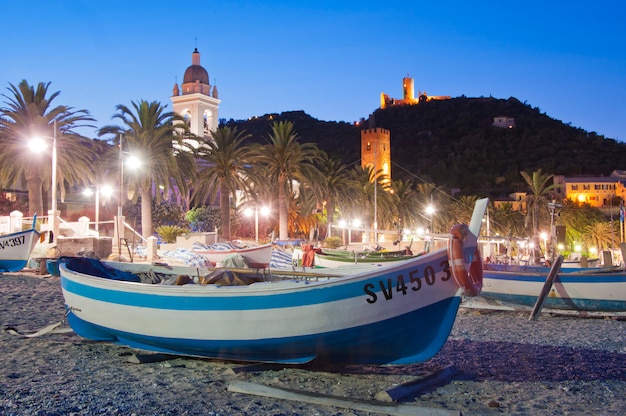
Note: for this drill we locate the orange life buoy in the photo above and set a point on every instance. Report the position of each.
(471, 281)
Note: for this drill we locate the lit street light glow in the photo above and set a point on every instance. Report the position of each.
(38, 144)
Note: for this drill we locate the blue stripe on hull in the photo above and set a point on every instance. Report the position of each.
(12, 265)
(219, 303)
(407, 339)
(589, 305)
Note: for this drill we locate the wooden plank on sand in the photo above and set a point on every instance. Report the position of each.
(412, 387)
(326, 400)
(150, 358)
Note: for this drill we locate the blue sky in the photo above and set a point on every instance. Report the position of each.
(331, 59)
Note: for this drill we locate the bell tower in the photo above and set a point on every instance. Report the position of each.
(196, 99)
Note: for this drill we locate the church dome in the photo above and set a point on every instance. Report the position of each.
(196, 72)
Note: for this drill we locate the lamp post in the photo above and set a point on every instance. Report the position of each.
(119, 202)
(430, 210)
(36, 144)
(55, 223)
(248, 212)
(106, 191)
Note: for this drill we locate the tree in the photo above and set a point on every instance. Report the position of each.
(577, 217)
(225, 166)
(334, 185)
(507, 222)
(288, 162)
(156, 137)
(29, 113)
(373, 202)
(601, 235)
(539, 196)
(406, 199)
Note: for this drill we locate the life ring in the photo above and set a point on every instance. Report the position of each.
(471, 281)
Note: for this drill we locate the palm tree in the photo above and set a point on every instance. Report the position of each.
(334, 185)
(288, 162)
(406, 199)
(539, 196)
(29, 113)
(373, 202)
(225, 165)
(577, 217)
(600, 234)
(507, 222)
(167, 162)
(464, 208)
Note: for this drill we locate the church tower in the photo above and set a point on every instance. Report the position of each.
(197, 101)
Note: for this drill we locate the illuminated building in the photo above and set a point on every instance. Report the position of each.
(408, 95)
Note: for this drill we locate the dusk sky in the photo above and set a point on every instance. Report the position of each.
(331, 59)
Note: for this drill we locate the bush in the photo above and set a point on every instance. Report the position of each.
(168, 233)
(204, 219)
(333, 242)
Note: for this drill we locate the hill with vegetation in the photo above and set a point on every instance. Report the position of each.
(452, 143)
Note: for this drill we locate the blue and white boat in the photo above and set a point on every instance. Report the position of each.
(586, 290)
(15, 249)
(397, 314)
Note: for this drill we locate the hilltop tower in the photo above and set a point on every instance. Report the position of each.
(197, 101)
(376, 151)
(408, 95)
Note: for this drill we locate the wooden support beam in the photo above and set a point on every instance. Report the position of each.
(412, 387)
(342, 402)
(554, 270)
(150, 358)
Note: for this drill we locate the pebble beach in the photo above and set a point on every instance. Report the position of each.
(502, 363)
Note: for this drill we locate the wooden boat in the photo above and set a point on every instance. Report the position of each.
(15, 249)
(256, 256)
(324, 258)
(527, 268)
(587, 290)
(397, 314)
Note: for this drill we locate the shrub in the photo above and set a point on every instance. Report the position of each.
(203, 219)
(168, 233)
(333, 242)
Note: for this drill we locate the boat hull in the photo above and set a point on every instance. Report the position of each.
(591, 292)
(399, 314)
(15, 249)
(332, 260)
(256, 257)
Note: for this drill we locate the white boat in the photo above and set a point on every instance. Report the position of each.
(397, 314)
(15, 249)
(587, 290)
(257, 257)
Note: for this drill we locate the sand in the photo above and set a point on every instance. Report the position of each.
(557, 365)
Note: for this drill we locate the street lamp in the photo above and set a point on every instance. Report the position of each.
(430, 210)
(118, 231)
(248, 213)
(37, 144)
(106, 191)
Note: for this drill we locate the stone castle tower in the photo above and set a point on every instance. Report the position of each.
(376, 151)
(408, 95)
(197, 101)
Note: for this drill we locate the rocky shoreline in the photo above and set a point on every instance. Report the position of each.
(505, 364)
